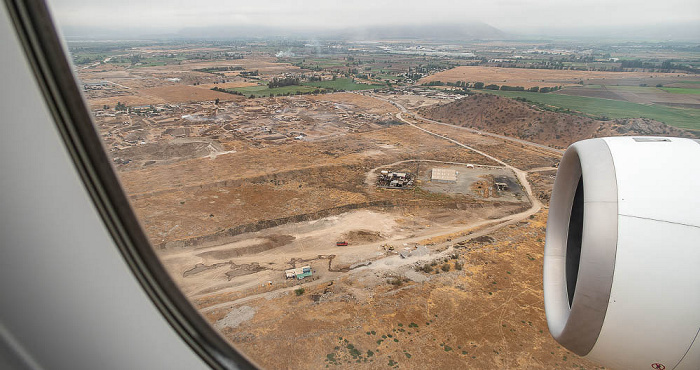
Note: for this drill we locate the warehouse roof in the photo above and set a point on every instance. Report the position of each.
(444, 174)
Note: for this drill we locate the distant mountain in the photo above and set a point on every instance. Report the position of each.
(679, 31)
(442, 32)
(682, 31)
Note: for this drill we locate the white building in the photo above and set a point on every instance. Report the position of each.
(443, 175)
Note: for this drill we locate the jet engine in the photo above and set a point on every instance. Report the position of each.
(622, 252)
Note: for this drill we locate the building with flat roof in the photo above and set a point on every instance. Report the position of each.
(443, 175)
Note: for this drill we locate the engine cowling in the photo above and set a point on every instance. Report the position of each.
(622, 252)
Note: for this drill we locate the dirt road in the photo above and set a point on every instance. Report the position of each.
(445, 238)
(522, 175)
(474, 131)
(394, 262)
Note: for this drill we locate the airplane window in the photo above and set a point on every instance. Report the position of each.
(366, 184)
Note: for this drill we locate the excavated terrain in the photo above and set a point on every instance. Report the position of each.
(479, 306)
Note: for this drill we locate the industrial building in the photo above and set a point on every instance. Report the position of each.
(443, 175)
(395, 180)
(501, 186)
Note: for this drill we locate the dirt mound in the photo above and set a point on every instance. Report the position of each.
(529, 122)
(234, 269)
(362, 236)
(244, 269)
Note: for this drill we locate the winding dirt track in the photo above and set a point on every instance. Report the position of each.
(416, 116)
(521, 175)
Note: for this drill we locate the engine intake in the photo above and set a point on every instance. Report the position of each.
(622, 257)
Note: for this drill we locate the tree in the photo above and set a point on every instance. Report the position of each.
(216, 101)
(478, 85)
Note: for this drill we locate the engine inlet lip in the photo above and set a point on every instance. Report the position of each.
(576, 321)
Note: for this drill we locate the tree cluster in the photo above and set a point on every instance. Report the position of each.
(281, 82)
(234, 92)
(249, 73)
(220, 69)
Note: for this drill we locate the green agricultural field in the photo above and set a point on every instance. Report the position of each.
(686, 118)
(680, 90)
(634, 89)
(263, 90)
(343, 84)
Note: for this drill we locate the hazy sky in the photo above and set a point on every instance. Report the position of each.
(509, 15)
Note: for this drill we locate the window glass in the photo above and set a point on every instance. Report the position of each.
(366, 183)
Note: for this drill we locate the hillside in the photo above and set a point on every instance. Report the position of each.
(529, 122)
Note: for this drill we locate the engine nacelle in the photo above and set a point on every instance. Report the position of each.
(622, 253)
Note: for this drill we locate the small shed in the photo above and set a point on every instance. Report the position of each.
(299, 272)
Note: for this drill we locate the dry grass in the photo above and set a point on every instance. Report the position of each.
(488, 315)
(528, 77)
(228, 85)
(365, 103)
(173, 94)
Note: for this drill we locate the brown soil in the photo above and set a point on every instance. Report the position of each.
(200, 197)
(273, 241)
(484, 188)
(488, 314)
(520, 156)
(227, 85)
(165, 94)
(528, 77)
(362, 102)
(542, 183)
(183, 94)
(362, 236)
(647, 95)
(517, 119)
